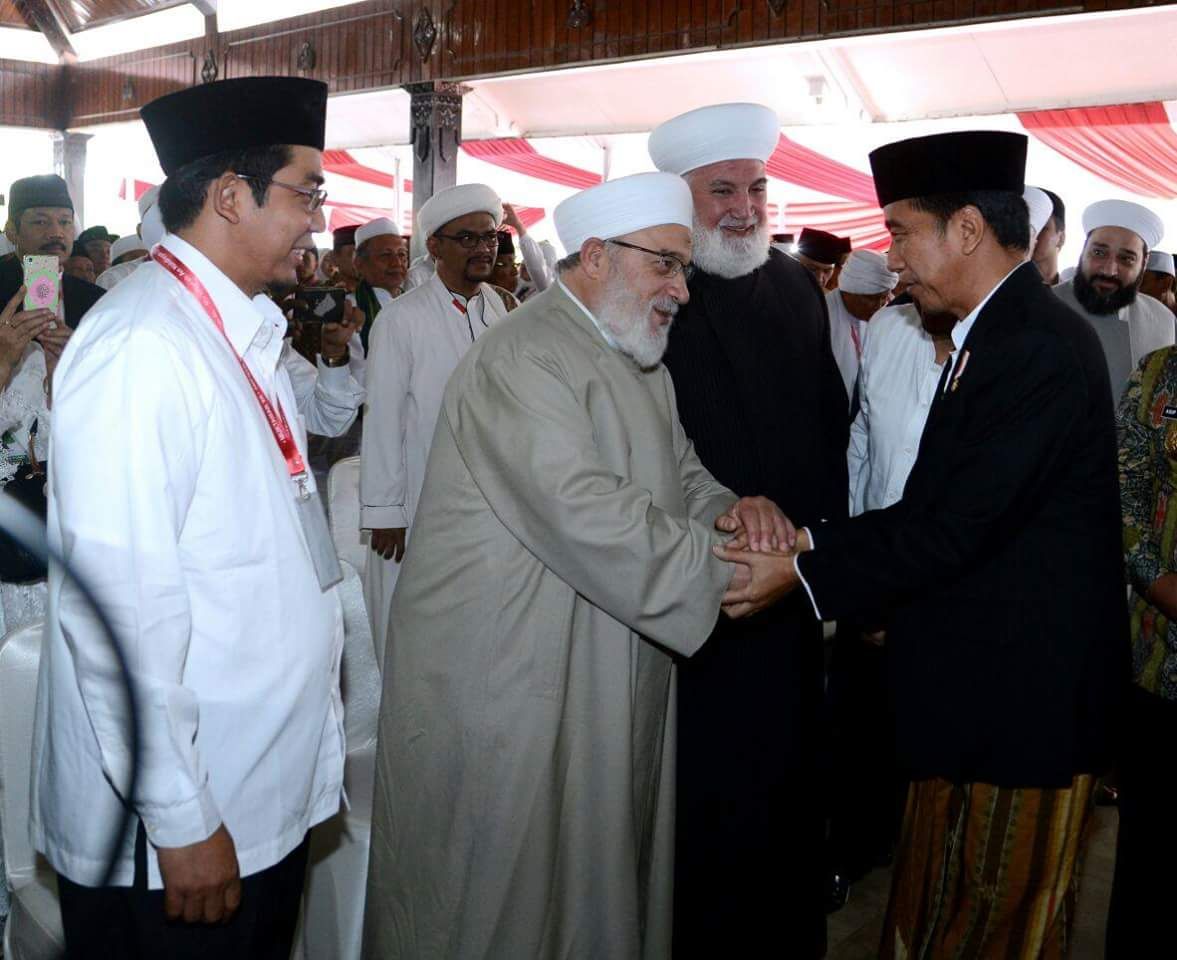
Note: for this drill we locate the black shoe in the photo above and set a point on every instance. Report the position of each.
(837, 894)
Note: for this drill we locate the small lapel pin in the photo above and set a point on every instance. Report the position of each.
(964, 362)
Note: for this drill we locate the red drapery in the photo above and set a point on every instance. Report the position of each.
(856, 216)
(522, 157)
(862, 223)
(347, 214)
(138, 188)
(342, 163)
(1131, 145)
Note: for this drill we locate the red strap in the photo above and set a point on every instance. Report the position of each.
(279, 426)
(856, 338)
(461, 306)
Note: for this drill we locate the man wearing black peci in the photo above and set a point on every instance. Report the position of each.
(999, 571)
(41, 223)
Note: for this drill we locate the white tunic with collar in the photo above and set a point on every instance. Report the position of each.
(169, 495)
(846, 335)
(415, 344)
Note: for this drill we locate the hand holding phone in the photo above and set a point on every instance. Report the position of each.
(42, 277)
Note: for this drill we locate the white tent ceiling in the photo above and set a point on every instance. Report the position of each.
(991, 68)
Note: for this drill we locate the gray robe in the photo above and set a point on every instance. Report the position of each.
(525, 768)
(1128, 336)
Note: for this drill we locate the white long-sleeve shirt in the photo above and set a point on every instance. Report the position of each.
(169, 495)
(415, 344)
(896, 384)
(847, 334)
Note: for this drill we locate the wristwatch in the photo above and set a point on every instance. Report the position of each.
(337, 361)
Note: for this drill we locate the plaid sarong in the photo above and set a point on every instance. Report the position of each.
(985, 871)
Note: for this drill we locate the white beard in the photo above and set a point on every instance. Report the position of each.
(628, 320)
(726, 256)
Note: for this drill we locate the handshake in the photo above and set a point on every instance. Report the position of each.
(764, 547)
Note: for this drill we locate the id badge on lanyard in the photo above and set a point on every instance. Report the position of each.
(309, 508)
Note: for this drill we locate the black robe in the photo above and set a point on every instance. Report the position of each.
(78, 295)
(760, 395)
(1002, 565)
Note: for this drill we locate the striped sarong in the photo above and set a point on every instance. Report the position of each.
(985, 871)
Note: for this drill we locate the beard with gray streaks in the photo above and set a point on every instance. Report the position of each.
(728, 256)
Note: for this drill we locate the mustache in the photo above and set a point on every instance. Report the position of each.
(738, 222)
(666, 304)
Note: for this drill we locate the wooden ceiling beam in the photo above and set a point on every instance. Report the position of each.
(207, 7)
(41, 15)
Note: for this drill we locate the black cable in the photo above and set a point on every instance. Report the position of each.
(28, 530)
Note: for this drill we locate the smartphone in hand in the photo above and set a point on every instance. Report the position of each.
(42, 279)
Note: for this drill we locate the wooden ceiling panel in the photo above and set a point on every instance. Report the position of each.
(80, 14)
(10, 15)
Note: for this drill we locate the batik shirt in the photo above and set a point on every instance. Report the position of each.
(1147, 426)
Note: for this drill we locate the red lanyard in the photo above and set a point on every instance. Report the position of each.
(276, 418)
(856, 338)
(461, 306)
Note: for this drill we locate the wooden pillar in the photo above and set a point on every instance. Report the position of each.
(69, 162)
(436, 118)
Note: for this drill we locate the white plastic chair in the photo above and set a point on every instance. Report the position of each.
(34, 925)
(343, 510)
(333, 899)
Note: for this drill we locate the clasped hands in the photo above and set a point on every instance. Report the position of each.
(763, 547)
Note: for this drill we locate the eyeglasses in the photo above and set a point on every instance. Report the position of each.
(315, 197)
(471, 241)
(668, 264)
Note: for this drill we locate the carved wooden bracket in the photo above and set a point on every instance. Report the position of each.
(436, 118)
(424, 33)
(580, 15)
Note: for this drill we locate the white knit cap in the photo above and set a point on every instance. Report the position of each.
(866, 272)
(726, 131)
(149, 199)
(454, 202)
(1040, 207)
(622, 206)
(125, 245)
(380, 227)
(1161, 262)
(1123, 213)
(152, 228)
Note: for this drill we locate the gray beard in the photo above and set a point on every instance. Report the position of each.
(627, 318)
(728, 257)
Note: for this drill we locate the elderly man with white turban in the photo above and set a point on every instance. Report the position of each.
(760, 395)
(416, 341)
(524, 801)
(864, 288)
(1105, 289)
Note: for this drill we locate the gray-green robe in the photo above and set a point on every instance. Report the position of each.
(524, 791)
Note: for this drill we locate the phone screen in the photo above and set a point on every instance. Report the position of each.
(42, 280)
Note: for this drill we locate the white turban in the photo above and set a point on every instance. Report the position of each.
(380, 227)
(622, 206)
(866, 272)
(1161, 262)
(152, 228)
(726, 131)
(1040, 208)
(1123, 213)
(125, 245)
(454, 202)
(149, 199)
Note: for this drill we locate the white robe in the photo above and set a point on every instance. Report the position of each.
(414, 346)
(846, 336)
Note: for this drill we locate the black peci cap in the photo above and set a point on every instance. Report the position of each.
(950, 163)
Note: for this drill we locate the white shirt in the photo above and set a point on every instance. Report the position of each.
(896, 385)
(111, 277)
(169, 495)
(846, 337)
(414, 344)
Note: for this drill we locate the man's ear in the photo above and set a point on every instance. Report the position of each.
(970, 227)
(432, 246)
(10, 231)
(1062, 238)
(593, 259)
(228, 196)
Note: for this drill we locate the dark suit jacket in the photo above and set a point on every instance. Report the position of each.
(1002, 563)
(79, 296)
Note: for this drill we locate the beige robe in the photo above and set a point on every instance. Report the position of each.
(525, 769)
